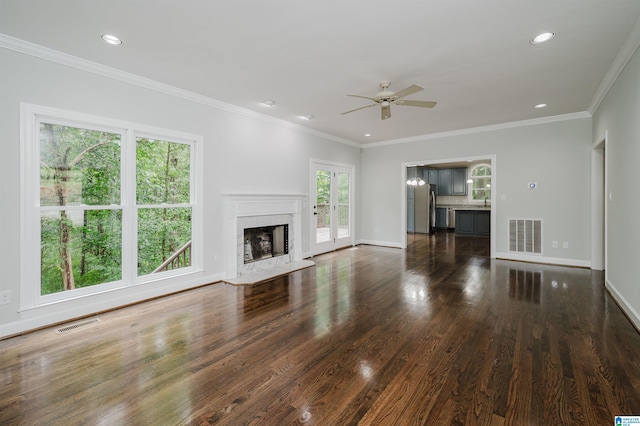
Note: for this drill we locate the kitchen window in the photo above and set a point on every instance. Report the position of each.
(479, 182)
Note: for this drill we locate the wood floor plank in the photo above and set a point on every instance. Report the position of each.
(434, 334)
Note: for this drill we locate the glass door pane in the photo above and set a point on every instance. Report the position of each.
(323, 206)
(343, 205)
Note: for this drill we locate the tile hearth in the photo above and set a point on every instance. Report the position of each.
(267, 274)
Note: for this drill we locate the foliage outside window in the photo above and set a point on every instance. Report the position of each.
(343, 205)
(110, 206)
(323, 201)
(81, 212)
(480, 185)
(162, 191)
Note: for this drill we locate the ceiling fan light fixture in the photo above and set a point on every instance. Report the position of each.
(541, 38)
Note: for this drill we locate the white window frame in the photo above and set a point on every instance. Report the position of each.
(30, 285)
(470, 176)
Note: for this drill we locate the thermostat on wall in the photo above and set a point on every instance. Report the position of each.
(533, 185)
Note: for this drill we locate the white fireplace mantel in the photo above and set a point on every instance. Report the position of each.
(260, 207)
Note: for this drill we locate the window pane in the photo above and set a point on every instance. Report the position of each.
(343, 205)
(78, 166)
(481, 194)
(79, 248)
(481, 171)
(323, 206)
(162, 172)
(163, 233)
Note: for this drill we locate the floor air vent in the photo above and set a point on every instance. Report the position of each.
(525, 235)
(77, 325)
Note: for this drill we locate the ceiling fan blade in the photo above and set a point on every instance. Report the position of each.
(368, 106)
(363, 97)
(385, 112)
(414, 88)
(423, 104)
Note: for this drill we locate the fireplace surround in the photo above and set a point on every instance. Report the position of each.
(246, 211)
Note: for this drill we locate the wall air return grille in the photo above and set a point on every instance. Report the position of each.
(525, 236)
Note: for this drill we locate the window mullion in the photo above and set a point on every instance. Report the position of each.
(129, 208)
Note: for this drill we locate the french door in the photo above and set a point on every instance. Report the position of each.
(331, 209)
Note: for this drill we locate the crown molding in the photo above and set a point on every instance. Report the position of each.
(623, 57)
(62, 58)
(481, 129)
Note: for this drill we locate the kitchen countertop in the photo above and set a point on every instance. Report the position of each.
(465, 206)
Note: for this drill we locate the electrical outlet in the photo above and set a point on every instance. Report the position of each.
(554, 244)
(5, 297)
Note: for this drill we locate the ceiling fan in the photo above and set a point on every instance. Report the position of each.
(386, 98)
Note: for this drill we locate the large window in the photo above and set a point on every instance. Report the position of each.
(164, 213)
(80, 206)
(106, 204)
(480, 183)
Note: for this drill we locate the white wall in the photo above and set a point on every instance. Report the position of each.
(619, 116)
(242, 154)
(556, 155)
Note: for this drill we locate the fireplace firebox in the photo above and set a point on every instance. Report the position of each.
(265, 242)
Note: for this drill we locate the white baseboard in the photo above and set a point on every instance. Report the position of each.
(542, 259)
(631, 313)
(56, 313)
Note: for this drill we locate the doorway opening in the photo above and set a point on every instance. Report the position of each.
(464, 189)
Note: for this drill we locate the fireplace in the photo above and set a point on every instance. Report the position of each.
(265, 242)
(270, 224)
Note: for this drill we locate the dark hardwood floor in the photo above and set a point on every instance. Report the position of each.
(437, 334)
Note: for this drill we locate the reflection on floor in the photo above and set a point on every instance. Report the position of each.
(435, 334)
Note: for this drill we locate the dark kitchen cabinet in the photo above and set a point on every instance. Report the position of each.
(483, 223)
(458, 181)
(411, 172)
(433, 178)
(445, 182)
(473, 222)
(441, 217)
(451, 181)
(465, 222)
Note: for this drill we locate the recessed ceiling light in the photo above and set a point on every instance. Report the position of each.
(541, 106)
(268, 102)
(111, 39)
(541, 38)
(307, 117)
(367, 134)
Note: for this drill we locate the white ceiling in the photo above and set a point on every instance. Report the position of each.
(473, 57)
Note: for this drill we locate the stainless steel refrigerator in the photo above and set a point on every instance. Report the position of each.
(425, 209)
